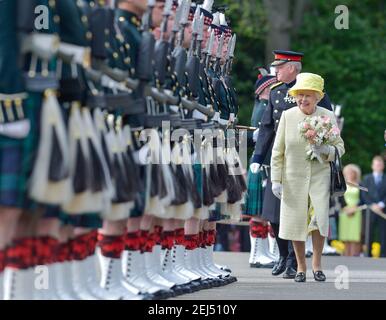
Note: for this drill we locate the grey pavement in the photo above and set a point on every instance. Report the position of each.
(366, 280)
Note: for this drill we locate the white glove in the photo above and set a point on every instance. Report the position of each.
(319, 150)
(255, 134)
(255, 167)
(276, 189)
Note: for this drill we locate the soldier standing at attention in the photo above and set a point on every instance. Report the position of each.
(258, 228)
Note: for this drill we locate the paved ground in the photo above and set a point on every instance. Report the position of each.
(367, 280)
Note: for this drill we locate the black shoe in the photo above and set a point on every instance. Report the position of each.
(289, 273)
(148, 296)
(300, 277)
(232, 279)
(211, 282)
(163, 294)
(205, 284)
(217, 282)
(223, 282)
(319, 276)
(186, 288)
(178, 290)
(279, 267)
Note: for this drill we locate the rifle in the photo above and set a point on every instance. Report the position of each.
(227, 70)
(145, 59)
(229, 56)
(217, 65)
(162, 50)
(162, 47)
(209, 49)
(179, 53)
(192, 67)
(193, 61)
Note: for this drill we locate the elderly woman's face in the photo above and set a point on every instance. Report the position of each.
(307, 100)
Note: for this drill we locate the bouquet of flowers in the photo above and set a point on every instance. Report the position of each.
(318, 130)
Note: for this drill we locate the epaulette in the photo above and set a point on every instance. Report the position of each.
(276, 85)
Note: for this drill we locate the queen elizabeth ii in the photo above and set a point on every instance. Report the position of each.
(303, 184)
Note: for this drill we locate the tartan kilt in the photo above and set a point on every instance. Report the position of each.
(84, 220)
(215, 215)
(254, 195)
(12, 177)
(139, 205)
(197, 169)
(17, 158)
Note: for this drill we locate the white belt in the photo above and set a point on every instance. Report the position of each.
(45, 46)
(80, 55)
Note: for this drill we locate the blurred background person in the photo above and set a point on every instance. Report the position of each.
(350, 219)
(375, 182)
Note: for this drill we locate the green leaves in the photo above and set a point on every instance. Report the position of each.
(350, 62)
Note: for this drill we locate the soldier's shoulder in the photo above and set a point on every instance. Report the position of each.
(277, 86)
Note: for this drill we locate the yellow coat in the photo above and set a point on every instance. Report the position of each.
(301, 179)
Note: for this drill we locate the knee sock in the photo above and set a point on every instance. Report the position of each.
(111, 246)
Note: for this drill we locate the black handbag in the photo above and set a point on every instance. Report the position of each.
(338, 184)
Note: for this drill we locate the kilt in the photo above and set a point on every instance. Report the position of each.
(13, 184)
(143, 193)
(215, 215)
(85, 220)
(197, 169)
(271, 208)
(139, 205)
(17, 158)
(254, 196)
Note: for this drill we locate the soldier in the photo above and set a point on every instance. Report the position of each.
(31, 248)
(287, 65)
(13, 182)
(260, 254)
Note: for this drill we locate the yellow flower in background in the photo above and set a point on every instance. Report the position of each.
(338, 245)
(376, 250)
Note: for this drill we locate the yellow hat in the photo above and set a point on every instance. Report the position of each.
(308, 81)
